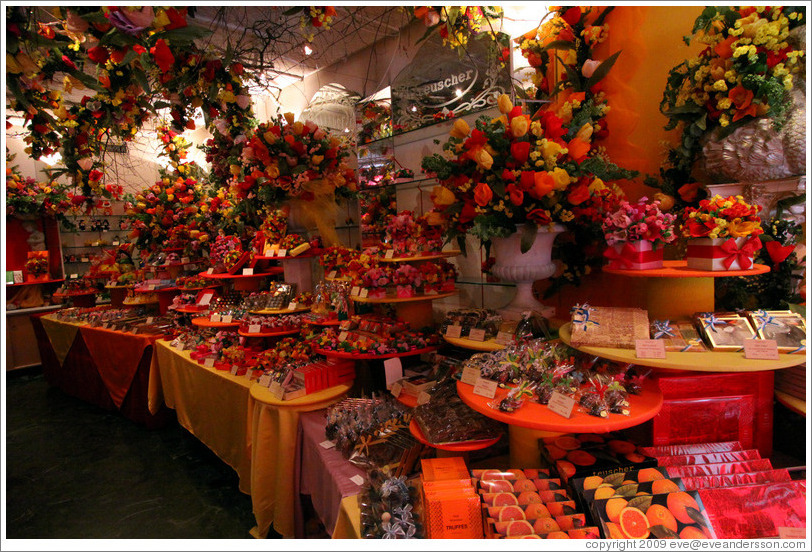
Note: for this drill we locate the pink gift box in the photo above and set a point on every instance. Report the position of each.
(634, 255)
(722, 253)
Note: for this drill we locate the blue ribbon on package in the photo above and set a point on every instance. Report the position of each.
(710, 321)
(580, 316)
(662, 328)
(764, 320)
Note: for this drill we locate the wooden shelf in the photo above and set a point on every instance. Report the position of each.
(280, 311)
(207, 323)
(418, 258)
(793, 403)
(710, 361)
(21, 284)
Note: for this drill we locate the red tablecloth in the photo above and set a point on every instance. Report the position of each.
(105, 368)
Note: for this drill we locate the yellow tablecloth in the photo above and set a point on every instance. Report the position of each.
(61, 333)
(348, 524)
(273, 426)
(211, 404)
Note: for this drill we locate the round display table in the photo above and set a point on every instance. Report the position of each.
(207, 323)
(416, 310)
(451, 449)
(273, 425)
(676, 291)
(280, 333)
(83, 299)
(282, 311)
(533, 421)
(489, 345)
(118, 294)
(793, 403)
(418, 258)
(242, 282)
(371, 356)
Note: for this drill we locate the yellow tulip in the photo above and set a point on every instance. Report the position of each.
(442, 196)
(460, 129)
(585, 132)
(504, 103)
(269, 137)
(739, 229)
(298, 128)
(519, 125)
(560, 177)
(483, 159)
(289, 117)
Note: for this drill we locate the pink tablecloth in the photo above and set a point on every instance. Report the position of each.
(322, 473)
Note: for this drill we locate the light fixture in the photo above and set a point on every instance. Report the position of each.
(52, 159)
(458, 92)
(414, 108)
(308, 50)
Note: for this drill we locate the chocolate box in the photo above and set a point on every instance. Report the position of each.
(678, 515)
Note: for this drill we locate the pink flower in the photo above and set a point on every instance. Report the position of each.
(589, 67)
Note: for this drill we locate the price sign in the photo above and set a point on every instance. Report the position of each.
(649, 348)
(234, 369)
(293, 306)
(561, 404)
(265, 380)
(332, 274)
(85, 259)
(357, 479)
(342, 336)
(206, 299)
(215, 317)
(74, 276)
(185, 260)
(327, 444)
(355, 290)
(106, 325)
(364, 293)
(485, 388)
(453, 331)
(394, 370)
(150, 320)
(277, 390)
(761, 349)
(150, 287)
(210, 271)
(116, 242)
(208, 363)
(470, 375)
(282, 253)
(396, 390)
(390, 254)
(247, 271)
(504, 338)
(225, 319)
(254, 328)
(423, 398)
(477, 334)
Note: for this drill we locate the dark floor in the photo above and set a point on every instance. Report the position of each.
(76, 471)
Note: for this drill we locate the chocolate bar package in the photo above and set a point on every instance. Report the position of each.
(724, 468)
(736, 479)
(697, 448)
(608, 326)
(677, 515)
(712, 458)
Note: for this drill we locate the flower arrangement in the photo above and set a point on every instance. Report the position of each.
(438, 277)
(312, 18)
(37, 266)
(407, 280)
(745, 72)
(26, 196)
(374, 121)
(639, 222)
(375, 280)
(191, 282)
(275, 226)
(456, 25)
(720, 217)
(221, 247)
(347, 263)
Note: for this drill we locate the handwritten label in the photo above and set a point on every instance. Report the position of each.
(355, 290)
(396, 390)
(477, 334)
(282, 253)
(265, 380)
(210, 271)
(561, 404)
(485, 388)
(649, 348)
(357, 479)
(453, 331)
(327, 444)
(761, 349)
(423, 398)
(504, 338)
(234, 369)
(791, 532)
(178, 345)
(150, 287)
(277, 390)
(206, 299)
(225, 319)
(150, 320)
(215, 317)
(332, 274)
(342, 336)
(247, 271)
(106, 325)
(364, 293)
(390, 254)
(394, 370)
(470, 375)
(208, 363)
(85, 259)
(254, 328)
(293, 306)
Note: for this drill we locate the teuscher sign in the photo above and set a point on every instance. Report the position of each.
(425, 93)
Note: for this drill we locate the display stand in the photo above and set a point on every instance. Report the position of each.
(365, 356)
(242, 282)
(84, 299)
(451, 449)
(676, 291)
(282, 333)
(118, 294)
(206, 323)
(533, 421)
(416, 310)
(489, 345)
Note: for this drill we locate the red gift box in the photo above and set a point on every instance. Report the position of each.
(736, 479)
(722, 253)
(339, 372)
(634, 255)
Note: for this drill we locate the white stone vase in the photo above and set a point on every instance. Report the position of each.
(524, 269)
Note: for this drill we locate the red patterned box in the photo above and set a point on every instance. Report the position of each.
(634, 255)
(722, 253)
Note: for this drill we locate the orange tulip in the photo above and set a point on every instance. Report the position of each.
(577, 148)
(543, 184)
(483, 194)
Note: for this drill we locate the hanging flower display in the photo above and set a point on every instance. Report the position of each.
(456, 25)
(26, 196)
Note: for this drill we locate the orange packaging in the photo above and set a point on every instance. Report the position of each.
(449, 485)
(452, 514)
(438, 469)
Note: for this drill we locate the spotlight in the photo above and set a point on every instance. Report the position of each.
(308, 50)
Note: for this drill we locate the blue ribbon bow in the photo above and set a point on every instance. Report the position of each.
(764, 320)
(580, 316)
(662, 328)
(710, 321)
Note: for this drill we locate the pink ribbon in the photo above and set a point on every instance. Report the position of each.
(621, 258)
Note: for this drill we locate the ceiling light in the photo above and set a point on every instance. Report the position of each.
(308, 50)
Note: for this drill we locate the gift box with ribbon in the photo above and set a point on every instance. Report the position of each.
(722, 253)
(634, 255)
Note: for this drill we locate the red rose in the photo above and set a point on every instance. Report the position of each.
(699, 229)
(139, 49)
(237, 68)
(534, 60)
(572, 15)
(162, 55)
(515, 194)
(117, 55)
(508, 175)
(527, 181)
(468, 213)
(578, 195)
(689, 191)
(539, 216)
(520, 152)
(177, 18)
(98, 54)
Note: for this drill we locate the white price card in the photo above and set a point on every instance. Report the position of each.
(357, 479)
(390, 254)
(206, 299)
(355, 290)
(423, 398)
(85, 259)
(74, 276)
(215, 317)
(342, 336)
(265, 380)
(185, 260)
(234, 369)
(150, 320)
(485, 388)
(210, 271)
(116, 242)
(396, 389)
(208, 363)
(454, 331)
(477, 334)
(394, 370)
(504, 338)
(761, 349)
(106, 325)
(277, 390)
(561, 404)
(791, 532)
(247, 271)
(150, 287)
(293, 306)
(364, 293)
(282, 253)
(327, 444)
(225, 319)
(470, 375)
(179, 345)
(649, 348)
(332, 274)
(254, 328)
